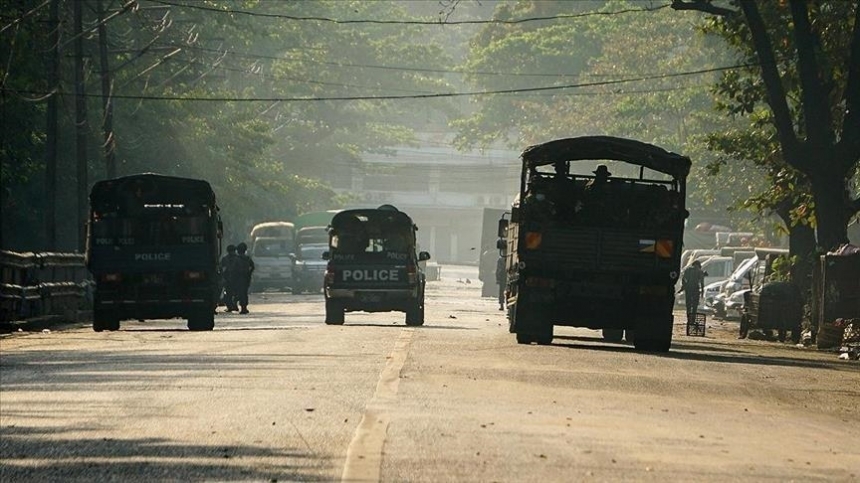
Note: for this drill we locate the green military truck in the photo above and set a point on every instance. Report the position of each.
(373, 265)
(596, 251)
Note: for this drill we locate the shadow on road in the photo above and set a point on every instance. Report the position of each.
(73, 458)
(705, 353)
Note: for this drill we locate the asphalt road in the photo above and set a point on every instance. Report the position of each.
(276, 395)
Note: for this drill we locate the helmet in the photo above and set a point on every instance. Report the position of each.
(242, 247)
(231, 248)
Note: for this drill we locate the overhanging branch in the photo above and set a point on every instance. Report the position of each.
(702, 6)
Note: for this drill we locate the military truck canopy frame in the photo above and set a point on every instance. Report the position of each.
(597, 251)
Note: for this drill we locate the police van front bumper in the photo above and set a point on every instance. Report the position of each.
(370, 300)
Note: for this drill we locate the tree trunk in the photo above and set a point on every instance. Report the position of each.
(107, 101)
(81, 127)
(832, 209)
(51, 130)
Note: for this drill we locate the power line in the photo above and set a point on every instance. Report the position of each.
(429, 96)
(406, 22)
(382, 67)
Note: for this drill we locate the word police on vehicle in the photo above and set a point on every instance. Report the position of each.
(383, 275)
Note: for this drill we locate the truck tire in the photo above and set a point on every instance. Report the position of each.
(333, 313)
(613, 335)
(415, 314)
(545, 334)
(654, 336)
(103, 320)
(530, 329)
(201, 321)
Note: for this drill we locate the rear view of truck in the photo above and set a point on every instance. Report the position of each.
(598, 250)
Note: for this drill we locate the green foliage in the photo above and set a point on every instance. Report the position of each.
(595, 53)
(264, 158)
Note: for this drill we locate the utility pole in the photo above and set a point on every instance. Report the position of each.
(81, 126)
(51, 128)
(107, 100)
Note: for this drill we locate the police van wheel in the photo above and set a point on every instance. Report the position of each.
(544, 337)
(415, 315)
(525, 338)
(333, 313)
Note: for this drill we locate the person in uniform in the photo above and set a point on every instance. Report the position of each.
(228, 278)
(501, 279)
(244, 269)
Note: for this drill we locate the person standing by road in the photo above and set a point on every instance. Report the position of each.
(244, 270)
(693, 284)
(501, 279)
(228, 278)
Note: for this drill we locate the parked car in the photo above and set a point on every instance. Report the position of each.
(738, 280)
(309, 268)
(273, 258)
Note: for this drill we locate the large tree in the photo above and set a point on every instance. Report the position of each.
(811, 49)
(637, 72)
(223, 90)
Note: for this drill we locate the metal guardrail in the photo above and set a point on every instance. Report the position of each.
(39, 285)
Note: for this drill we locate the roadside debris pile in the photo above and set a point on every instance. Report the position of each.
(850, 348)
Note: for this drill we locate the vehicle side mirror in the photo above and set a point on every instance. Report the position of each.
(503, 228)
(325, 255)
(422, 256)
(500, 244)
(705, 274)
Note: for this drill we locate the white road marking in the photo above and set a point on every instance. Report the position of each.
(364, 454)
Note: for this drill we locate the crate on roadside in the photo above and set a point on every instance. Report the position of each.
(696, 327)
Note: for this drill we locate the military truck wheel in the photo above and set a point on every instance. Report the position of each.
(613, 335)
(654, 337)
(205, 320)
(333, 313)
(415, 315)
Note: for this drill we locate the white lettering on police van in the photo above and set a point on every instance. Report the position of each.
(152, 257)
(381, 275)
